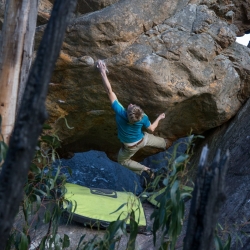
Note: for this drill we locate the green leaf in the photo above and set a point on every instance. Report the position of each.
(24, 243)
(187, 188)
(47, 138)
(218, 243)
(46, 126)
(69, 205)
(80, 241)
(113, 228)
(52, 183)
(200, 136)
(239, 239)
(39, 191)
(47, 216)
(162, 209)
(3, 150)
(165, 181)
(173, 192)
(69, 171)
(66, 241)
(165, 245)
(57, 239)
(190, 138)
(228, 243)
(219, 225)
(42, 243)
(119, 207)
(35, 169)
(35, 198)
(181, 158)
(57, 173)
(53, 156)
(133, 232)
(184, 195)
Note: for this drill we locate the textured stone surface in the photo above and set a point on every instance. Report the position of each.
(44, 10)
(177, 57)
(181, 60)
(85, 6)
(94, 169)
(235, 137)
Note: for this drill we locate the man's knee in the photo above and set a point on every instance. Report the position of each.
(122, 162)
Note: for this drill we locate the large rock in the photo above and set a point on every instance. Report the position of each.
(173, 57)
(235, 137)
(94, 169)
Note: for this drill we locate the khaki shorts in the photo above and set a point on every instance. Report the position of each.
(126, 153)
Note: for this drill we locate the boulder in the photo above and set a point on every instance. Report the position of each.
(172, 56)
(235, 137)
(95, 169)
(181, 59)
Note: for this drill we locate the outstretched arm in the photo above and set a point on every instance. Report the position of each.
(154, 125)
(107, 86)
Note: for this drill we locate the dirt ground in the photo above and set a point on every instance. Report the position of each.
(76, 230)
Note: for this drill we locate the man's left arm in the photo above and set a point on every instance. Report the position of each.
(154, 125)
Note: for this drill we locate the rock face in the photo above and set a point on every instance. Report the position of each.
(172, 56)
(235, 137)
(236, 12)
(175, 57)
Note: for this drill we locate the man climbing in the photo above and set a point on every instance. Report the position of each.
(130, 123)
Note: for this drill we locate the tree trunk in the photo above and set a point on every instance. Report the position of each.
(28, 49)
(208, 196)
(30, 118)
(15, 56)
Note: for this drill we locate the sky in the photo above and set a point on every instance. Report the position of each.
(243, 39)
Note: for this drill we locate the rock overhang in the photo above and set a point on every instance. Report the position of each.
(182, 60)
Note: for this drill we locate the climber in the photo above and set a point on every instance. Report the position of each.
(130, 123)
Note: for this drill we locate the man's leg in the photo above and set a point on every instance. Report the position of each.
(156, 141)
(124, 156)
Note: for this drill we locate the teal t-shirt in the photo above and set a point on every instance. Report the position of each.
(127, 132)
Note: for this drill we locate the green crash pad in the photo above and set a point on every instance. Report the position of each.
(156, 197)
(98, 207)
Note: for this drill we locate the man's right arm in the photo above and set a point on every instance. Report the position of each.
(107, 86)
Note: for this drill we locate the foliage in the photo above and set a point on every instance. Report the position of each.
(43, 200)
(169, 215)
(44, 204)
(224, 235)
(219, 245)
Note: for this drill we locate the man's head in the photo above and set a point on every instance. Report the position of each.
(134, 113)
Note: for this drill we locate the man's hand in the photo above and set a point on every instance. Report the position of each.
(101, 66)
(161, 116)
(154, 125)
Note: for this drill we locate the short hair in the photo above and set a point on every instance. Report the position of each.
(134, 114)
